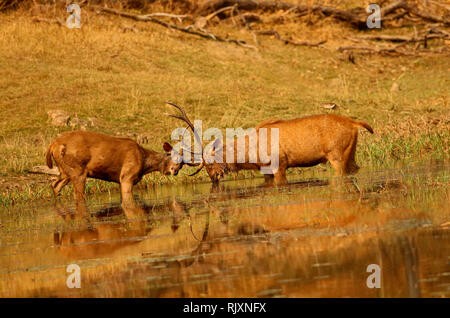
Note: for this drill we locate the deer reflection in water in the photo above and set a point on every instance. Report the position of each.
(114, 227)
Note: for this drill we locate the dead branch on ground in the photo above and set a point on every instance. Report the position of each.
(288, 41)
(356, 17)
(190, 29)
(393, 13)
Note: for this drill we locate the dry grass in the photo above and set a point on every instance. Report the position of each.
(123, 78)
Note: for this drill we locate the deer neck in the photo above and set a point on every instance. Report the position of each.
(153, 161)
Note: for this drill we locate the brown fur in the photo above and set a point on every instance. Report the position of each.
(82, 154)
(305, 142)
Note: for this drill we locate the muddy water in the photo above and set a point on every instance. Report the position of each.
(242, 239)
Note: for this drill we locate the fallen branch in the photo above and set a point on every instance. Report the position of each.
(439, 31)
(179, 17)
(385, 10)
(50, 21)
(357, 18)
(44, 170)
(395, 16)
(201, 22)
(402, 4)
(250, 5)
(374, 49)
(189, 29)
(212, 15)
(426, 15)
(398, 38)
(288, 41)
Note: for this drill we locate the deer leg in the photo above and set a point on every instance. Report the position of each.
(126, 191)
(134, 213)
(280, 176)
(59, 184)
(337, 162)
(79, 182)
(131, 209)
(81, 209)
(268, 179)
(129, 176)
(351, 166)
(338, 165)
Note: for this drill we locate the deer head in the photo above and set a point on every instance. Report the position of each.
(172, 161)
(215, 170)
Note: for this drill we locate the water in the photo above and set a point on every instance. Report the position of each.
(308, 239)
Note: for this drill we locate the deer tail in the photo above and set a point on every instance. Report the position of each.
(364, 124)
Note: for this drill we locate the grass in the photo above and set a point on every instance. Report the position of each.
(124, 78)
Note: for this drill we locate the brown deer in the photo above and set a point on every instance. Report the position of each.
(82, 154)
(303, 142)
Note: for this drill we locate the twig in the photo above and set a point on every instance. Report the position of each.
(179, 17)
(212, 15)
(204, 33)
(288, 41)
(374, 49)
(385, 10)
(44, 170)
(395, 16)
(439, 31)
(355, 18)
(426, 15)
(37, 19)
(398, 38)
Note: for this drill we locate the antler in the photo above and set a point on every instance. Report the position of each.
(184, 117)
(183, 145)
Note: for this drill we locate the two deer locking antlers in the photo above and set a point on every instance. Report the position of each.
(302, 142)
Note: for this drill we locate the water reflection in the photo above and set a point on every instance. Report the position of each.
(110, 228)
(237, 240)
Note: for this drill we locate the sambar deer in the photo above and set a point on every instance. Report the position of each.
(302, 142)
(82, 154)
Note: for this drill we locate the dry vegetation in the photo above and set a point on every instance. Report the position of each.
(122, 71)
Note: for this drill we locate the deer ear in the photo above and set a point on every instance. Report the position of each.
(167, 147)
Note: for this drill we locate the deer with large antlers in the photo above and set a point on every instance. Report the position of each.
(82, 154)
(302, 142)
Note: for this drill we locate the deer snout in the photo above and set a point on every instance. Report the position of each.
(172, 171)
(217, 176)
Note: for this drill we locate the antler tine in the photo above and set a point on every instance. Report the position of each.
(198, 170)
(184, 149)
(186, 119)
